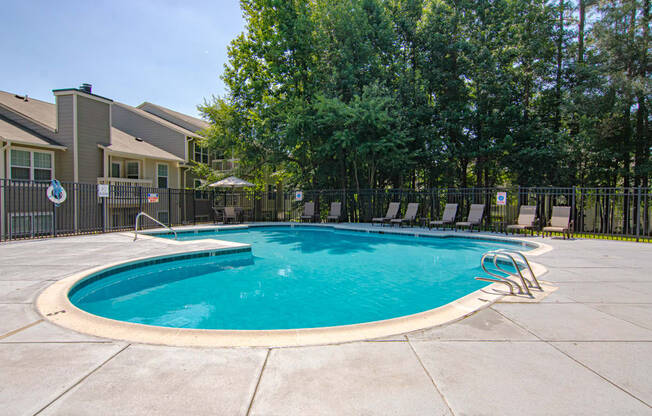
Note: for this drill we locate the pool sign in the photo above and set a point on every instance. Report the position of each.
(298, 196)
(152, 198)
(103, 191)
(501, 198)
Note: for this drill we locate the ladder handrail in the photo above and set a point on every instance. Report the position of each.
(523, 280)
(527, 264)
(153, 219)
(502, 278)
(506, 282)
(510, 255)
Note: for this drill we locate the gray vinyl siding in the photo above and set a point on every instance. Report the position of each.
(65, 160)
(92, 129)
(149, 130)
(171, 118)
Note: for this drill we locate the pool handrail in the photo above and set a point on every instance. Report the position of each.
(535, 282)
(501, 279)
(510, 255)
(153, 219)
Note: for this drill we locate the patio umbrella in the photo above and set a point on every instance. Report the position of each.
(231, 182)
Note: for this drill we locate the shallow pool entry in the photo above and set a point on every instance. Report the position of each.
(301, 277)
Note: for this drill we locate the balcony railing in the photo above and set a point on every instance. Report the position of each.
(125, 181)
(225, 165)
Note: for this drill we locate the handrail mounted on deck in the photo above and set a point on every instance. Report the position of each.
(153, 219)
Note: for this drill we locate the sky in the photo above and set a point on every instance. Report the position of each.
(170, 53)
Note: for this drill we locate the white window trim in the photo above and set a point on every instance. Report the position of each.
(127, 162)
(203, 150)
(202, 192)
(168, 175)
(31, 161)
(119, 163)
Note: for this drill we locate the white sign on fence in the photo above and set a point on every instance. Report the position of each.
(103, 191)
(501, 198)
(298, 196)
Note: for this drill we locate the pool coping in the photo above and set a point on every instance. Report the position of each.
(54, 305)
(537, 248)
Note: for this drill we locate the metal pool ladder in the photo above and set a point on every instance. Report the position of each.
(514, 257)
(153, 219)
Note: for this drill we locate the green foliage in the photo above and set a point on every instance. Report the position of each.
(422, 93)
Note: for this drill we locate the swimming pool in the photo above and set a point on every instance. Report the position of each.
(302, 277)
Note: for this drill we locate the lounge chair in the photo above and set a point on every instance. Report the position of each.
(527, 215)
(410, 215)
(308, 212)
(476, 213)
(392, 211)
(560, 222)
(230, 214)
(336, 212)
(450, 211)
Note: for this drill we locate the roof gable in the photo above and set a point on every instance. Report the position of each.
(183, 120)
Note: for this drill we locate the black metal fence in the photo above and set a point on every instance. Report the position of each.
(26, 212)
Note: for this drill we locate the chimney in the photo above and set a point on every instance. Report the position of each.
(86, 88)
(26, 98)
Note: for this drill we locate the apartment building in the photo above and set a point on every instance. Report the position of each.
(86, 138)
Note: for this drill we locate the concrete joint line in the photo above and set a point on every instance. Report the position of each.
(576, 361)
(432, 380)
(260, 377)
(15, 331)
(81, 379)
(617, 317)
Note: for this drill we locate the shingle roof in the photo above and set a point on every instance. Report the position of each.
(12, 132)
(194, 121)
(157, 119)
(41, 112)
(122, 142)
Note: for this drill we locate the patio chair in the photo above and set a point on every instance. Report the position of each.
(308, 212)
(450, 211)
(476, 213)
(336, 212)
(560, 222)
(410, 215)
(527, 215)
(392, 211)
(230, 214)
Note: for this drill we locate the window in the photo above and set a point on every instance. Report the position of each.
(164, 217)
(133, 170)
(199, 194)
(29, 165)
(162, 175)
(200, 153)
(115, 169)
(31, 224)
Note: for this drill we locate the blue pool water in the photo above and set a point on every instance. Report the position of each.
(299, 277)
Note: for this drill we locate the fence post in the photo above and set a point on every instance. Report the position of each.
(573, 216)
(169, 207)
(140, 199)
(104, 213)
(54, 220)
(637, 212)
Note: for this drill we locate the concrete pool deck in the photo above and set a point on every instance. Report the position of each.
(585, 349)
